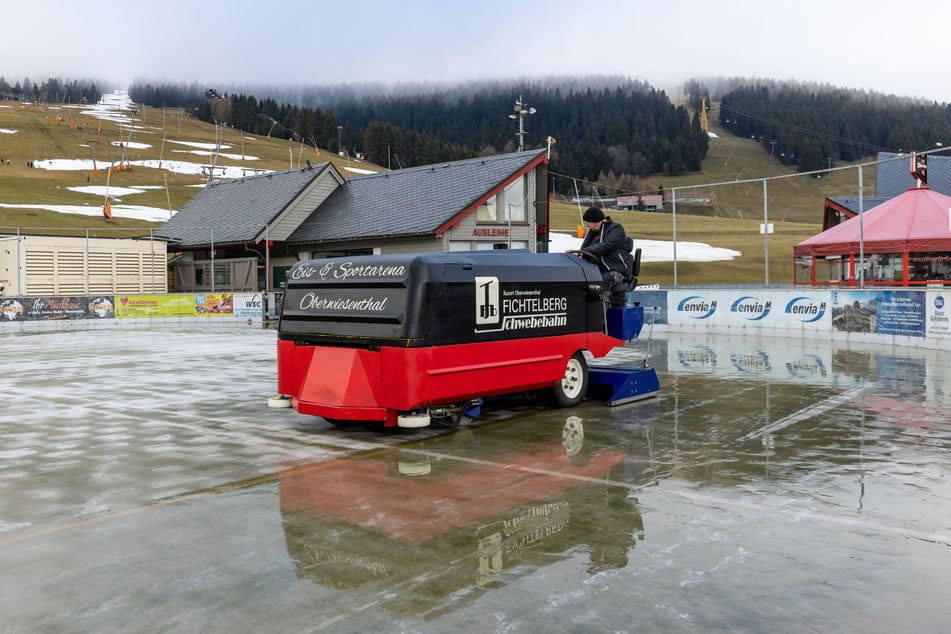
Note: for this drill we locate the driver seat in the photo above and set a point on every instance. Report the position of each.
(618, 296)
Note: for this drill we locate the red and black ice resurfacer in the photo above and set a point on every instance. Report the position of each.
(401, 340)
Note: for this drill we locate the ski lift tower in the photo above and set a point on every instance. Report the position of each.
(521, 112)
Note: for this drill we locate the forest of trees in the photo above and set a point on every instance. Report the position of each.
(602, 134)
(814, 127)
(53, 90)
(608, 130)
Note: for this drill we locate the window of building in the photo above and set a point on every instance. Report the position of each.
(514, 201)
(487, 212)
(279, 276)
(510, 202)
(222, 274)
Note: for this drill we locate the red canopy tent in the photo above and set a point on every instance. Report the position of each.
(918, 221)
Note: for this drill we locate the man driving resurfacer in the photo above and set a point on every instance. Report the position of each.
(607, 244)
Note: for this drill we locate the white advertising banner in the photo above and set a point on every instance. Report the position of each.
(784, 310)
(937, 315)
(248, 305)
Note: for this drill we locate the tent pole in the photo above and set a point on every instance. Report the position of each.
(861, 232)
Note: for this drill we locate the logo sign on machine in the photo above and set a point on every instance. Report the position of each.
(513, 309)
(487, 301)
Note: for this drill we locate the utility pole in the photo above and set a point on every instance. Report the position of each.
(520, 112)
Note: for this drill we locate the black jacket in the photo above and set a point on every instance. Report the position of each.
(610, 247)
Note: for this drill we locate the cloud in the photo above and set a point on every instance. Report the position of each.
(662, 43)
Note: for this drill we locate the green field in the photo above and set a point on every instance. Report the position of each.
(724, 216)
(66, 133)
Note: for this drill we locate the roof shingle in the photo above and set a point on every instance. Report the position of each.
(236, 210)
(409, 202)
(893, 177)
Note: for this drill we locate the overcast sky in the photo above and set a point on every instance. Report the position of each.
(884, 46)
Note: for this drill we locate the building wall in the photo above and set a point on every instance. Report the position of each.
(473, 234)
(232, 275)
(304, 206)
(484, 236)
(9, 266)
(419, 245)
(48, 265)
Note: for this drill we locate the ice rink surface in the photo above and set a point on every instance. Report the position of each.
(774, 485)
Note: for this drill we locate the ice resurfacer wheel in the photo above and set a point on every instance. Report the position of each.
(571, 389)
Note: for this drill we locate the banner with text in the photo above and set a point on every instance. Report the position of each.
(806, 310)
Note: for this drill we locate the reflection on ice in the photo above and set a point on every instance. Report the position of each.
(444, 522)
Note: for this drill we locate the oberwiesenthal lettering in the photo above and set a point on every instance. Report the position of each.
(312, 301)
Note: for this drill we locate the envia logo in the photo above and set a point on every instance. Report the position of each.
(750, 308)
(697, 307)
(697, 357)
(807, 367)
(753, 361)
(806, 309)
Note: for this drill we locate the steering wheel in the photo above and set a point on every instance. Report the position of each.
(587, 256)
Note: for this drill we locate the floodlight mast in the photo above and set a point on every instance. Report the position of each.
(520, 112)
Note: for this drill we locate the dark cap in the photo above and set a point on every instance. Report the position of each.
(593, 214)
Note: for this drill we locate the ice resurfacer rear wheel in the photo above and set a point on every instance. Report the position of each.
(571, 389)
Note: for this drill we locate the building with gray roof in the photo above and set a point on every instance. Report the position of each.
(244, 234)
(892, 178)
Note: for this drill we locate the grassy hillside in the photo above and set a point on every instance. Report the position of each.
(35, 135)
(730, 215)
(733, 159)
(731, 219)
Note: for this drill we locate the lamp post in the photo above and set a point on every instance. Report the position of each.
(339, 130)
